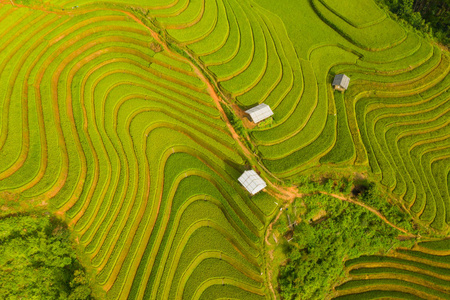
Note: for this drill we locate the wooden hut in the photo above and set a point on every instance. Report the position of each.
(252, 182)
(259, 112)
(341, 82)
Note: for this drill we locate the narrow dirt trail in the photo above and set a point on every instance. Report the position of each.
(267, 243)
(290, 195)
(373, 210)
(283, 193)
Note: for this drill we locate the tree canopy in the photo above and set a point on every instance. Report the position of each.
(328, 232)
(429, 16)
(37, 260)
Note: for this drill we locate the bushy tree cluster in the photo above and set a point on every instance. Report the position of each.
(363, 191)
(319, 247)
(37, 260)
(428, 16)
(373, 197)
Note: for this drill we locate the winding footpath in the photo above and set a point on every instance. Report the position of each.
(376, 212)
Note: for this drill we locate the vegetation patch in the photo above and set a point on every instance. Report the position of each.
(37, 259)
(326, 231)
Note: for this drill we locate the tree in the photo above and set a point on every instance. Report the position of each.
(317, 251)
(37, 260)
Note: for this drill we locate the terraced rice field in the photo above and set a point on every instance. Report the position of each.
(128, 144)
(420, 273)
(393, 118)
(124, 136)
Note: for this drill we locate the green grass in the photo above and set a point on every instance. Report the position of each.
(259, 66)
(344, 148)
(230, 48)
(406, 58)
(184, 17)
(388, 259)
(71, 3)
(276, 69)
(199, 28)
(306, 153)
(217, 291)
(245, 48)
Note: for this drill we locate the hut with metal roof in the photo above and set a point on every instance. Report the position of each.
(259, 112)
(252, 182)
(341, 82)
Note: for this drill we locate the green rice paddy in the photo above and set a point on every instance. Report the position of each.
(107, 115)
(421, 273)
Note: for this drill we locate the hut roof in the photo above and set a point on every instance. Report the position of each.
(252, 182)
(259, 112)
(342, 80)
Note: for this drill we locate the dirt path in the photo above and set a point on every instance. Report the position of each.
(243, 116)
(291, 193)
(376, 212)
(210, 88)
(267, 243)
(283, 193)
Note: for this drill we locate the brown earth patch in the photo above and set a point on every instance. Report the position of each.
(155, 47)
